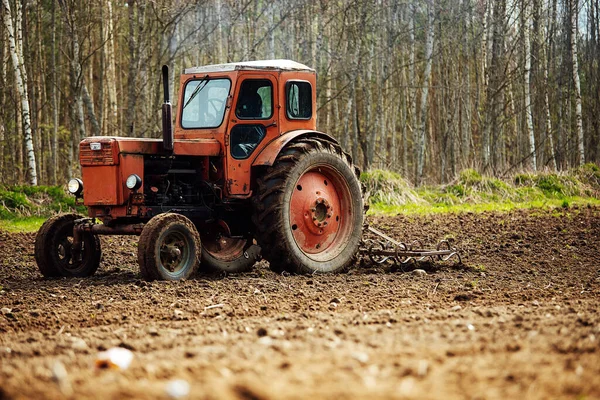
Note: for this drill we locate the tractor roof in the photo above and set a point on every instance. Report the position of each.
(261, 65)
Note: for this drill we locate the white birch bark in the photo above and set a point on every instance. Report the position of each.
(545, 59)
(525, 27)
(578, 116)
(17, 60)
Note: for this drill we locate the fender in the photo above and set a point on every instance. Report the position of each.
(268, 155)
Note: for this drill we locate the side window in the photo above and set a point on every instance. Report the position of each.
(298, 100)
(255, 100)
(244, 139)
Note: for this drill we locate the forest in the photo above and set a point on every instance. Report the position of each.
(425, 88)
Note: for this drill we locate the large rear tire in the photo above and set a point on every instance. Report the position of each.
(169, 248)
(223, 253)
(309, 208)
(53, 249)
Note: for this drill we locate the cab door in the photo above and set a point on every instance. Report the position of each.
(252, 124)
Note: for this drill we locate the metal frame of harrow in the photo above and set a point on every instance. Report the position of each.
(380, 251)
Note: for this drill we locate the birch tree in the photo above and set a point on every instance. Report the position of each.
(525, 29)
(575, 67)
(16, 54)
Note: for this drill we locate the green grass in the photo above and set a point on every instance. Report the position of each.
(25, 224)
(25, 208)
(439, 208)
(472, 192)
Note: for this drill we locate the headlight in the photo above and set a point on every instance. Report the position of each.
(133, 182)
(75, 186)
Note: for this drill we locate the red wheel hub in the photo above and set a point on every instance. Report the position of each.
(316, 211)
(219, 243)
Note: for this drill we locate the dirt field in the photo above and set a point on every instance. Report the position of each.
(520, 320)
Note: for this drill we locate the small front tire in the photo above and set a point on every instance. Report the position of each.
(53, 253)
(169, 248)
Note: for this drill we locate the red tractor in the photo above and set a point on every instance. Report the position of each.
(243, 172)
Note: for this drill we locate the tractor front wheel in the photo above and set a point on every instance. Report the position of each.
(169, 248)
(309, 208)
(53, 253)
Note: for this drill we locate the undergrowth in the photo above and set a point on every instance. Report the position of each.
(25, 208)
(21, 202)
(390, 193)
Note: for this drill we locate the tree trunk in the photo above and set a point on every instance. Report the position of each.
(578, 117)
(425, 92)
(54, 142)
(111, 118)
(525, 28)
(413, 85)
(494, 92)
(20, 76)
(545, 47)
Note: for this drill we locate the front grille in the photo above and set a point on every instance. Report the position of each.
(104, 156)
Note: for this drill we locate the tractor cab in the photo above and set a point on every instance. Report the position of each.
(245, 106)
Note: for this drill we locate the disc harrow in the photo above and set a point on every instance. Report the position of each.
(386, 249)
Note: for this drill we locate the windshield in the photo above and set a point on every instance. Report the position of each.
(204, 103)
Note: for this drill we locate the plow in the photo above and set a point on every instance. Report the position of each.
(386, 250)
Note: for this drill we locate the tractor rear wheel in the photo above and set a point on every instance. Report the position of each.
(309, 208)
(223, 253)
(53, 249)
(169, 248)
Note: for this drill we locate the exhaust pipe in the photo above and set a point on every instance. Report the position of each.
(167, 110)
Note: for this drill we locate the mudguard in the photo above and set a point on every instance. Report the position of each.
(268, 155)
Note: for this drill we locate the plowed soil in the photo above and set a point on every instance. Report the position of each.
(520, 319)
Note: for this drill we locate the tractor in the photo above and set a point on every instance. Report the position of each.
(241, 174)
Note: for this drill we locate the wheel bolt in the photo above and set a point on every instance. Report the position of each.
(314, 218)
(328, 215)
(313, 209)
(325, 223)
(319, 224)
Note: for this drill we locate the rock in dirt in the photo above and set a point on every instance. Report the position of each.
(361, 357)
(78, 344)
(61, 377)
(177, 389)
(419, 272)
(261, 332)
(114, 358)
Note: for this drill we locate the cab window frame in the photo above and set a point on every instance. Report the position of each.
(200, 79)
(239, 97)
(288, 85)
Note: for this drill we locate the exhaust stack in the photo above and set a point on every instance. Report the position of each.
(167, 120)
